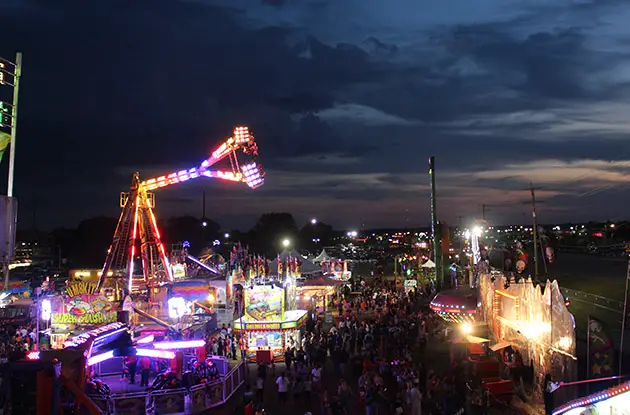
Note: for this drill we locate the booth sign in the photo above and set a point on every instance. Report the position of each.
(85, 306)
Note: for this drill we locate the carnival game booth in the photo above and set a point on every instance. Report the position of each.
(316, 293)
(266, 327)
(613, 401)
(337, 269)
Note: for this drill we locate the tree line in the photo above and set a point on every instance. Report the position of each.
(87, 244)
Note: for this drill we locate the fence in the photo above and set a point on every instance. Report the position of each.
(182, 401)
(593, 299)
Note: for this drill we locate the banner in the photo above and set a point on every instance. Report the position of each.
(84, 306)
(264, 303)
(5, 139)
(600, 350)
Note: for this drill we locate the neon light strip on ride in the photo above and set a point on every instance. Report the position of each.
(145, 339)
(99, 358)
(160, 354)
(184, 344)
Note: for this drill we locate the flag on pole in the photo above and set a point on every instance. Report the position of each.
(600, 349)
(5, 139)
(280, 268)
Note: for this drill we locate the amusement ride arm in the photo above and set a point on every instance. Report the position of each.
(242, 140)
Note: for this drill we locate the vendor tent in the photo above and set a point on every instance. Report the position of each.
(308, 267)
(323, 256)
(428, 264)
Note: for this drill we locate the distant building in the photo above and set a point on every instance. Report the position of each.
(35, 248)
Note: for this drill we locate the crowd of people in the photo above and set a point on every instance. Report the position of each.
(371, 360)
(16, 341)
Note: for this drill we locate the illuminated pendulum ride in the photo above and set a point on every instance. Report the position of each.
(137, 229)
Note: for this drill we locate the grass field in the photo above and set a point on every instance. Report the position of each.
(592, 274)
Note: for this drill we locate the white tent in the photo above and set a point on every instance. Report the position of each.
(323, 256)
(428, 264)
(308, 267)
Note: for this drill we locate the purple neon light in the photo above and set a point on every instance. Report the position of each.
(161, 354)
(183, 344)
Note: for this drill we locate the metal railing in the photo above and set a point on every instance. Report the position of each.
(184, 401)
(593, 299)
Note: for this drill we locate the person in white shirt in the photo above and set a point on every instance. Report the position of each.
(260, 389)
(283, 387)
(415, 399)
(549, 388)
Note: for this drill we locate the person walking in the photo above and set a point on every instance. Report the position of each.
(145, 371)
(283, 387)
(132, 363)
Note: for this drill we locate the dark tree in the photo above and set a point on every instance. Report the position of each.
(314, 236)
(191, 229)
(267, 235)
(92, 238)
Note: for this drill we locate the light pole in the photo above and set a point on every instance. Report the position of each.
(38, 291)
(13, 70)
(10, 74)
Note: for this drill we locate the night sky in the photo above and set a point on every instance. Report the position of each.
(347, 99)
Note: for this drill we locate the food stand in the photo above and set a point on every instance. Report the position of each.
(266, 325)
(316, 293)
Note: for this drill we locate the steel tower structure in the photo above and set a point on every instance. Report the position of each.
(137, 230)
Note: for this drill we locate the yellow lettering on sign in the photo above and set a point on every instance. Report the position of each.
(100, 318)
(81, 288)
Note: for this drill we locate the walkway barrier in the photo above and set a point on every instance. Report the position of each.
(217, 393)
(180, 401)
(129, 403)
(166, 402)
(103, 403)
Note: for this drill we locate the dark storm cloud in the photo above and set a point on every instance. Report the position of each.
(347, 100)
(139, 84)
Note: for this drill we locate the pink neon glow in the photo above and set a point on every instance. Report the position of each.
(135, 219)
(100, 358)
(222, 175)
(160, 354)
(183, 344)
(145, 339)
(154, 222)
(32, 356)
(133, 253)
(133, 242)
